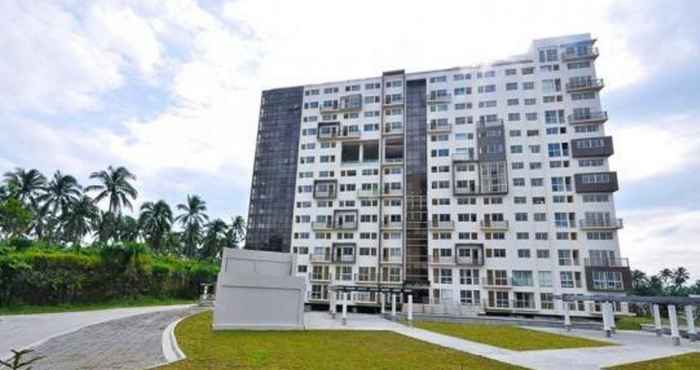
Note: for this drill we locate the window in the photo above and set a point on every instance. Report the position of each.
(566, 279)
(469, 276)
(543, 253)
(547, 301)
(522, 278)
(511, 86)
(607, 280)
(523, 253)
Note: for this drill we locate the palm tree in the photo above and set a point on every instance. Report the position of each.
(78, 219)
(665, 275)
(639, 279)
(25, 185)
(61, 191)
(680, 276)
(156, 220)
(105, 227)
(114, 185)
(4, 193)
(214, 239)
(236, 232)
(128, 229)
(192, 219)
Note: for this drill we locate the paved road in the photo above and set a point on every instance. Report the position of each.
(133, 342)
(22, 331)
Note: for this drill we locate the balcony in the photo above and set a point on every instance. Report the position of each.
(597, 182)
(524, 305)
(593, 84)
(392, 161)
(470, 261)
(321, 226)
(438, 98)
(435, 127)
(614, 224)
(482, 123)
(319, 277)
(592, 147)
(393, 130)
(345, 225)
(392, 225)
(388, 192)
(442, 225)
(368, 193)
(333, 108)
(393, 102)
(497, 283)
(581, 54)
(320, 258)
(607, 262)
(466, 190)
(348, 135)
(392, 259)
(588, 118)
(345, 258)
(496, 305)
(344, 104)
(469, 254)
(462, 157)
(494, 225)
(443, 260)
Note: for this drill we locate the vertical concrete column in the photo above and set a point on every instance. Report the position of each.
(332, 308)
(657, 319)
(606, 319)
(346, 297)
(409, 314)
(382, 303)
(393, 306)
(690, 320)
(611, 312)
(673, 319)
(567, 315)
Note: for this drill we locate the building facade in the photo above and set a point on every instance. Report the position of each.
(485, 186)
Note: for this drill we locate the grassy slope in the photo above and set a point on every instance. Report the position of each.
(25, 309)
(689, 361)
(508, 337)
(314, 350)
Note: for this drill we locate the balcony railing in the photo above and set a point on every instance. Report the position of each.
(319, 277)
(346, 225)
(346, 258)
(592, 84)
(613, 224)
(321, 257)
(349, 135)
(392, 161)
(581, 54)
(469, 261)
(326, 225)
(592, 117)
(528, 304)
(482, 123)
(466, 190)
(390, 130)
(462, 157)
(328, 108)
(438, 98)
(442, 225)
(368, 193)
(443, 260)
(391, 259)
(493, 225)
(392, 225)
(503, 283)
(393, 192)
(440, 127)
(496, 305)
(393, 102)
(606, 262)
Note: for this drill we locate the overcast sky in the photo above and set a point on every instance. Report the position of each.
(171, 89)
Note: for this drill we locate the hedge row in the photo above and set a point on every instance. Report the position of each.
(41, 276)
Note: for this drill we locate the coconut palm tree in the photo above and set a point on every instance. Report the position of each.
(60, 192)
(192, 218)
(105, 227)
(235, 235)
(156, 221)
(680, 276)
(25, 185)
(665, 275)
(128, 229)
(78, 219)
(214, 239)
(114, 185)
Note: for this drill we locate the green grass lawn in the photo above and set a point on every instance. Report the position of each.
(688, 361)
(508, 337)
(314, 350)
(137, 302)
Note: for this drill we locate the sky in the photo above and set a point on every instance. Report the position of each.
(171, 89)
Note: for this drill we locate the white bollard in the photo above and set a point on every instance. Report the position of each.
(409, 314)
(346, 297)
(673, 319)
(393, 306)
(690, 319)
(657, 319)
(567, 315)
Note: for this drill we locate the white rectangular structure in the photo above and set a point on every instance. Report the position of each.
(484, 185)
(257, 290)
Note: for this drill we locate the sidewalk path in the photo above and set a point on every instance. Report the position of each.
(22, 331)
(632, 346)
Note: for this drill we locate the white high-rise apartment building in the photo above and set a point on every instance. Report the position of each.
(485, 186)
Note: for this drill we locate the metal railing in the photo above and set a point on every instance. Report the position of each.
(439, 98)
(439, 127)
(320, 257)
(592, 117)
(588, 53)
(601, 224)
(368, 193)
(494, 225)
(443, 225)
(590, 84)
(316, 225)
(606, 262)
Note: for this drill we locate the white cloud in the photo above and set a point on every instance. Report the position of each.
(645, 150)
(665, 237)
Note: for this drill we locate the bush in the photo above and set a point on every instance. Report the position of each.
(47, 276)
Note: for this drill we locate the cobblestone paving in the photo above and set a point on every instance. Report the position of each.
(130, 343)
